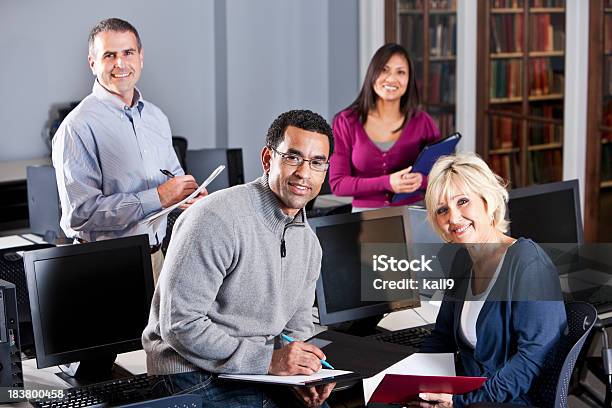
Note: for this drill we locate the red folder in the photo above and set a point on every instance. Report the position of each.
(398, 388)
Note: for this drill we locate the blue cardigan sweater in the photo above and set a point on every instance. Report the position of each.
(518, 326)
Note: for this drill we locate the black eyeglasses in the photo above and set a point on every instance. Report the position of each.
(292, 159)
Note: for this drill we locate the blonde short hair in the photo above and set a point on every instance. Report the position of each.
(469, 170)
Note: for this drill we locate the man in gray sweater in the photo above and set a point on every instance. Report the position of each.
(240, 270)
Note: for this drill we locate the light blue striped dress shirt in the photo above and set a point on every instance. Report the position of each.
(107, 157)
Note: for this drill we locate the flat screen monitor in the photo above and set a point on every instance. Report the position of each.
(547, 213)
(43, 203)
(89, 301)
(200, 163)
(341, 238)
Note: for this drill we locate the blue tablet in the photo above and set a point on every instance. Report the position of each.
(428, 157)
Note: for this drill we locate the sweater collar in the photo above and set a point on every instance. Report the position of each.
(267, 206)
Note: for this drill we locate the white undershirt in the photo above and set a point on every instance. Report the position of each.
(472, 306)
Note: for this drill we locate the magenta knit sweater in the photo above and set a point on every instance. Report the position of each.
(360, 169)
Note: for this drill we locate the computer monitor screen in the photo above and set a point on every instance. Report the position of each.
(547, 213)
(89, 301)
(341, 238)
(200, 163)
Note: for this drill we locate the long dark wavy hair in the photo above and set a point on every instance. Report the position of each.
(366, 100)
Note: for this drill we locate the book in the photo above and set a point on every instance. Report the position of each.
(399, 388)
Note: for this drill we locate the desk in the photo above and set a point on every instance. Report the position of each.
(11, 171)
(403, 319)
(12, 241)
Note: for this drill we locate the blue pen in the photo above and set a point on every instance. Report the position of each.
(291, 340)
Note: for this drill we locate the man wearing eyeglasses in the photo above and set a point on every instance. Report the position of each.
(240, 271)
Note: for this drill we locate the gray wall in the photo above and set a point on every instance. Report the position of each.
(221, 71)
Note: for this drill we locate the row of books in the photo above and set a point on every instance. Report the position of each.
(545, 133)
(546, 32)
(445, 122)
(507, 33)
(443, 36)
(433, 4)
(607, 120)
(606, 162)
(411, 34)
(441, 84)
(545, 166)
(547, 3)
(504, 132)
(532, 3)
(546, 76)
(506, 78)
(608, 77)
(507, 167)
(608, 33)
(507, 4)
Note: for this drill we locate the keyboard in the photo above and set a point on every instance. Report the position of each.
(109, 394)
(412, 337)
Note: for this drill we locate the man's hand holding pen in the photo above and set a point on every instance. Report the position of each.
(176, 189)
(299, 358)
(296, 358)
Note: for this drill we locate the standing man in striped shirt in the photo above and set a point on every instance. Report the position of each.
(109, 150)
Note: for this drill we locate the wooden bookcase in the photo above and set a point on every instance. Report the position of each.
(598, 189)
(520, 89)
(428, 30)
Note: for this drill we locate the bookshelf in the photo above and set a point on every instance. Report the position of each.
(520, 89)
(428, 30)
(598, 189)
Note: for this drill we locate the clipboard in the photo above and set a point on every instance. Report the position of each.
(397, 388)
(428, 156)
(294, 380)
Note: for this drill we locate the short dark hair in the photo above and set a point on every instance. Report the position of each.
(366, 100)
(112, 24)
(301, 119)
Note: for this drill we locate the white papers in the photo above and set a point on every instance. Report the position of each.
(154, 219)
(12, 241)
(287, 379)
(415, 364)
(34, 238)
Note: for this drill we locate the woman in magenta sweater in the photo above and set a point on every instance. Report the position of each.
(379, 136)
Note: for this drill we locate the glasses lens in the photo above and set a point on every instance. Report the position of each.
(318, 165)
(292, 159)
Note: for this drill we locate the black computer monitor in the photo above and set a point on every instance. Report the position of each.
(89, 302)
(43, 203)
(202, 162)
(341, 238)
(547, 213)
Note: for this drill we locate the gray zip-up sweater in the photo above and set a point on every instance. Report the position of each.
(225, 290)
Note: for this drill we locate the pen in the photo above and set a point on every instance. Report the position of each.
(166, 173)
(291, 340)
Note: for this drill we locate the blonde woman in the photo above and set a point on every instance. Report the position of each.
(507, 314)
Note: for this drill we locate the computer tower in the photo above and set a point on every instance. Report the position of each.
(11, 374)
(202, 162)
(43, 203)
